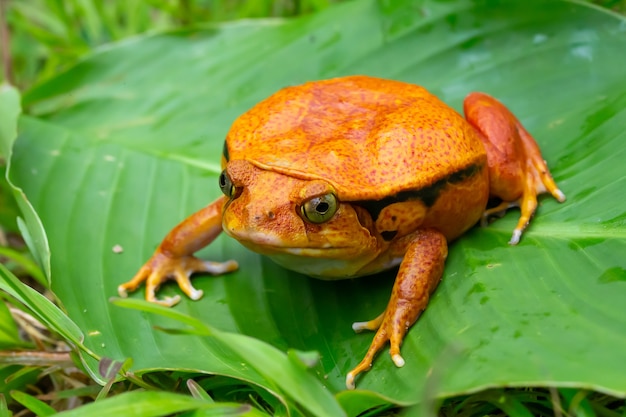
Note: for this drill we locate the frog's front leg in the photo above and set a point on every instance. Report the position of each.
(174, 256)
(418, 276)
(517, 171)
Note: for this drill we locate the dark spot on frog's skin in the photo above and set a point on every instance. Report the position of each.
(394, 218)
(428, 195)
(388, 234)
(225, 152)
(270, 215)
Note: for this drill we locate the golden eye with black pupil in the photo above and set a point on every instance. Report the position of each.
(320, 209)
(226, 185)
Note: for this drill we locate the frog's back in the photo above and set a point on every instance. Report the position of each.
(370, 138)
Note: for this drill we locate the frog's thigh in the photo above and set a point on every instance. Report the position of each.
(418, 276)
(505, 150)
(517, 170)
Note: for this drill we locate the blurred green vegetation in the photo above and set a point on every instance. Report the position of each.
(43, 37)
(47, 36)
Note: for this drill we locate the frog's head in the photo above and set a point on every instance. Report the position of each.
(299, 223)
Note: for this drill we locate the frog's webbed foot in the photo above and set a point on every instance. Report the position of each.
(161, 267)
(418, 276)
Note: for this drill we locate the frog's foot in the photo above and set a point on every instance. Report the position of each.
(533, 186)
(418, 276)
(537, 180)
(388, 330)
(161, 267)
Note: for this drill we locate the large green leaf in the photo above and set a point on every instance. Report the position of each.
(120, 148)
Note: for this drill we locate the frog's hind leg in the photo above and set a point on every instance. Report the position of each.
(418, 276)
(517, 171)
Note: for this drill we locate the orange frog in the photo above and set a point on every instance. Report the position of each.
(351, 176)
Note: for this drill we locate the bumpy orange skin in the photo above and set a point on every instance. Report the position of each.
(400, 173)
(368, 137)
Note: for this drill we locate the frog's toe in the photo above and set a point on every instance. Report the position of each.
(517, 235)
(398, 360)
(122, 291)
(167, 301)
(218, 268)
(350, 381)
(395, 340)
(365, 365)
(191, 264)
(498, 211)
(195, 294)
(559, 195)
(183, 279)
(130, 286)
(371, 325)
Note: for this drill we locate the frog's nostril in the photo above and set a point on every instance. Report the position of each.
(269, 215)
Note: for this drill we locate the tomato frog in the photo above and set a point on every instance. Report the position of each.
(351, 176)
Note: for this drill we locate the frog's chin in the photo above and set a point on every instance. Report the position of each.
(324, 263)
(318, 267)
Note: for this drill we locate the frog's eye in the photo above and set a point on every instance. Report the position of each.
(320, 209)
(226, 185)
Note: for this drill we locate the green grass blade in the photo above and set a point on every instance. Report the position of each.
(25, 263)
(9, 111)
(197, 392)
(138, 404)
(41, 307)
(4, 409)
(36, 406)
(196, 326)
(510, 405)
(575, 402)
(9, 333)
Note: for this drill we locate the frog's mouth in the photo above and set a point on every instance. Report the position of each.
(265, 248)
(318, 262)
(268, 244)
